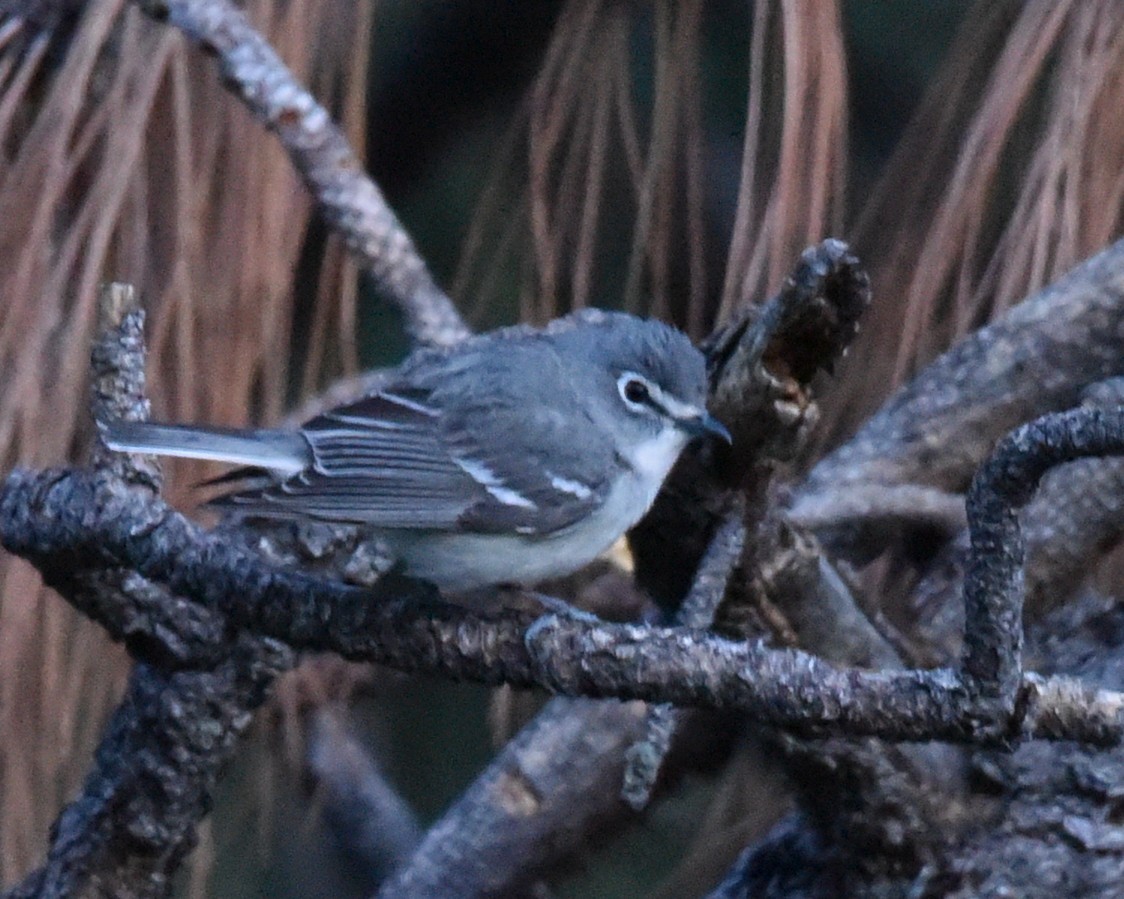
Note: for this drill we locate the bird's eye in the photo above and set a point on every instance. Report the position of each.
(636, 391)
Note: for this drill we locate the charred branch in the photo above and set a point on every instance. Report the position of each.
(188, 699)
(75, 521)
(761, 367)
(935, 432)
(120, 555)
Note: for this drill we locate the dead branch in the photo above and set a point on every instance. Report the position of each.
(367, 817)
(77, 521)
(181, 715)
(762, 367)
(178, 627)
(72, 523)
(1073, 519)
(1020, 366)
(1035, 822)
(531, 805)
(153, 776)
(350, 201)
(645, 758)
(1076, 516)
(993, 582)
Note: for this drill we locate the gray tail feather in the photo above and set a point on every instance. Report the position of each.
(282, 451)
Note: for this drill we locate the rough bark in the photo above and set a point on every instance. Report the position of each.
(930, 437)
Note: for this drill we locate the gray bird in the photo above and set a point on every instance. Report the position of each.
(515, 456)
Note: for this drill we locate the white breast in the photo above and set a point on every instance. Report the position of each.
(652, 459)
(467, 561)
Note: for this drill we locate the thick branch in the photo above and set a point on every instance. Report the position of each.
(153, 776)
(134, 821)
(79, 521)
(762, 366)
(529, 807)
(1038, 821)
(793, 690)
(937, 430)
(350, 201)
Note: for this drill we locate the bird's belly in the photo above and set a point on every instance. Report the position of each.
(460, 561)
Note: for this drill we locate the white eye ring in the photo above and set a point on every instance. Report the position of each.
(635, 391)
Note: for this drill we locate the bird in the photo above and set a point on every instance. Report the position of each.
(513, 457)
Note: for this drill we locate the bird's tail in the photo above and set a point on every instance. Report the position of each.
(286, 452)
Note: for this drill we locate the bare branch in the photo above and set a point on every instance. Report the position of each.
(153, 776)
(154, 624)
(1022, 365)
(883, 506)
(530, 806)
(1074, 518)
(645, 757)
(350, 201)
(793, 575)
(369, 819)
(76, 521)
(157, 765)
(797, 691)
(76, 524)
(1046, 808)
(762, 365)
(993, 583)
(117, 362)
(761, 369)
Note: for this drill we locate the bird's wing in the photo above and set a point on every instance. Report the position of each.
(379, 461)
(392, 460)
(520, 423)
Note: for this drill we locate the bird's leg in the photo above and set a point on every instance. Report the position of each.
(553, 609)
(555, 606)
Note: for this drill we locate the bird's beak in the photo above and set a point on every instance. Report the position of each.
(703, 424)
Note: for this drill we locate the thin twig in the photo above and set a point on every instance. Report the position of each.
(645, 758)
